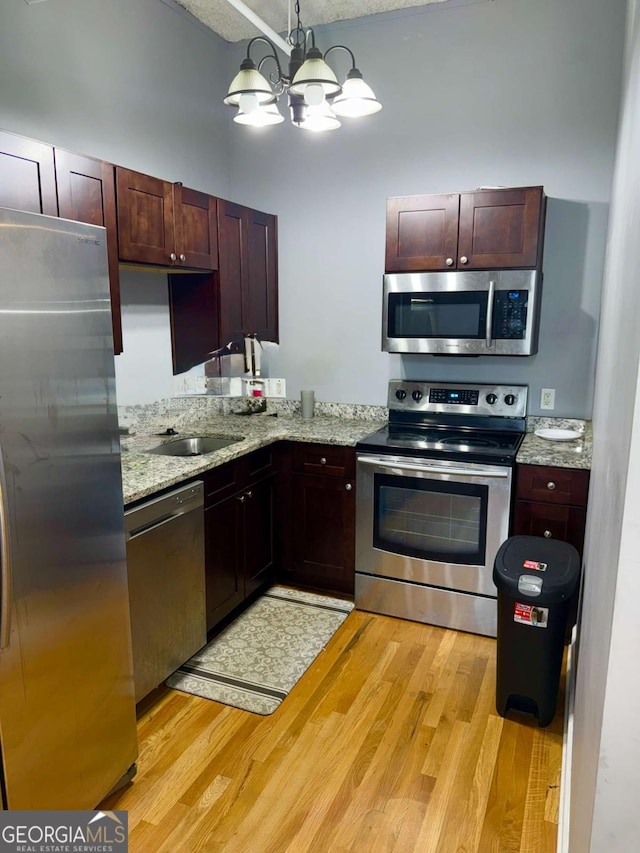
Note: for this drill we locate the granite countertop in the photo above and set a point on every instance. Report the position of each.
(561, 454)
(145, 473)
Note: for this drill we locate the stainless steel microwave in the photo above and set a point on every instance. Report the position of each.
(462, 313)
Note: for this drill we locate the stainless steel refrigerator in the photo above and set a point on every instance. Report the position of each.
(67, 713)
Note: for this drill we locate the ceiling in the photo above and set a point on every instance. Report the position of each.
(223, 19)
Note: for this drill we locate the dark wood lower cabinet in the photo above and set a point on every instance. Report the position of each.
(239, 532)
(323, 532)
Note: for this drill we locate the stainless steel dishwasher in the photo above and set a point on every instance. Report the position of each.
(165, 561)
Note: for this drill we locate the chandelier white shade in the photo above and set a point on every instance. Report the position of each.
(315, 96)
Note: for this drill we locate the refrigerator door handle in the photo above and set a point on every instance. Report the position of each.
(5, 560)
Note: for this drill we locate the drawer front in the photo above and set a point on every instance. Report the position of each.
(330, 460)
(552, 485)
(221, 481)
(259, 464)
(552, 521)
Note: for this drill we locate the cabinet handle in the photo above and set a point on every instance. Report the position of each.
(249, 494)
(173, 256)
(547, 534)
(348, 487)
(323, 461)
(449, 262)
(464, 259)
(551, 485)
(183, 258)
(241, 498)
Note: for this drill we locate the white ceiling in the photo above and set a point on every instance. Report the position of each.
(223, 19)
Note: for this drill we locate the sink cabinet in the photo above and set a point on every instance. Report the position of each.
(239, 531)
(41, 179)
(165, 224)
(318, 518)
(485, 229)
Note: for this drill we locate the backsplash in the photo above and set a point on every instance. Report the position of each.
(181, 412)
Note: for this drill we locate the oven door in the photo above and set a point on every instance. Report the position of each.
(431, 522)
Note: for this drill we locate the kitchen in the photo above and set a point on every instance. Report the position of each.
(562, 66)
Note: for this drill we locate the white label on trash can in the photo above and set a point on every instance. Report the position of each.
(529, 614)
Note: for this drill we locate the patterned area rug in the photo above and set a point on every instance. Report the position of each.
(255, 661)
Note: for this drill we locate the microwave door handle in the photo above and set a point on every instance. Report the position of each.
(489, 323)
(433, 469)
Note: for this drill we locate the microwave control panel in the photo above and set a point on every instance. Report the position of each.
(510, 314)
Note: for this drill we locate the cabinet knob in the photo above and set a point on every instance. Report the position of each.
(323, 460)
(464, 259)
(348, 487)
(551, 485)
(183, 258)
(547, 534)
(449, 262)
(241, 498)
(249, 494)
(173, 256)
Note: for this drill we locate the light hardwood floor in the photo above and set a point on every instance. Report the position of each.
(390, 742)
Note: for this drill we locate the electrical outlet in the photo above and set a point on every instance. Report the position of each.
(548, 398)
(275, 388)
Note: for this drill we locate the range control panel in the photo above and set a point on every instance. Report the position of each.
(507, 401)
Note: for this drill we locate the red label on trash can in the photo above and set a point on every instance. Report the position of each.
(533, 564)
(529, 614)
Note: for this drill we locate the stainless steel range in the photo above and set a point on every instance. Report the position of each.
(433, 505)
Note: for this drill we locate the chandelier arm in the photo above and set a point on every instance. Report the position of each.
(341, 47)
(273, 55)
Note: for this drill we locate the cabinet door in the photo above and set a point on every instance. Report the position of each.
(87, 193)
(196, 229)
(232, 248)
(145, 218)
(258, 534)
(501, 229)
(27, 176)
(323, 530)
(193, 312)
(223, 559)
(422, 233)
(261, 294)
(553, 521)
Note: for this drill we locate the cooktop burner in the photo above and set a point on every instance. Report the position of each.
(474, 423)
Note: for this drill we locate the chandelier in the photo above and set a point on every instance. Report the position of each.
(316, 99)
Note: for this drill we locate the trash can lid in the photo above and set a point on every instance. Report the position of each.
(542, 570)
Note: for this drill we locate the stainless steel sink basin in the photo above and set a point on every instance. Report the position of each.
(199, 446)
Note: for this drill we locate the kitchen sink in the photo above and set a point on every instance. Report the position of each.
(193, 446)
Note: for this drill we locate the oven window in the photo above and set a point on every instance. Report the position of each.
(438, 315)
(430, 519)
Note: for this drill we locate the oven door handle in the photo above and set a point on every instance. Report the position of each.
(489, 323)
(499, 473)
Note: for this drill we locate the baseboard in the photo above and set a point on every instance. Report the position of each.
(567, 746)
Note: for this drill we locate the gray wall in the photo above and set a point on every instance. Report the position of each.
(509, 93)
(501, 93)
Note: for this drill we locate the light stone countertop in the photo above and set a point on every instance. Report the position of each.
(143, 474)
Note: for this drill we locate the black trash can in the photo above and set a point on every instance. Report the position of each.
(536, 579)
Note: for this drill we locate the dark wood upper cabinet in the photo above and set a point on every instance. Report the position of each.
(248, 249)
(193, 309)
(165, 224)
(485, 229)
(86, 193)
(27, 175)
(422, 232)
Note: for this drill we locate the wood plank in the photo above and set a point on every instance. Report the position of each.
(390, 742)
